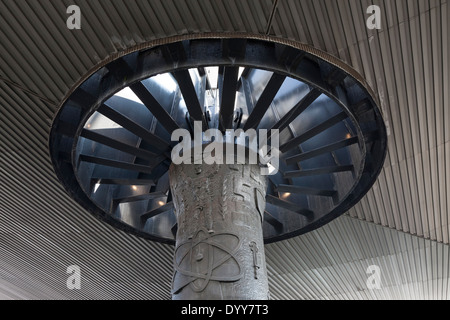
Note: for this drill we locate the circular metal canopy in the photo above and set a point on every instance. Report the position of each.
(111, 139)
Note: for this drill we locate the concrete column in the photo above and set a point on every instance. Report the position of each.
(219, 250)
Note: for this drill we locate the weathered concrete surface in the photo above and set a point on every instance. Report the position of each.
(219, 246)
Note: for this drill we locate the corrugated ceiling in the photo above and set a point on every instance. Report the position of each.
(402, 225)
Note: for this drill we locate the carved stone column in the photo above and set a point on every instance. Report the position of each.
(219, 250)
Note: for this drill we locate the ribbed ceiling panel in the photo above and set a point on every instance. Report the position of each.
(42, 54)
(406, 63)
(332, 263)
